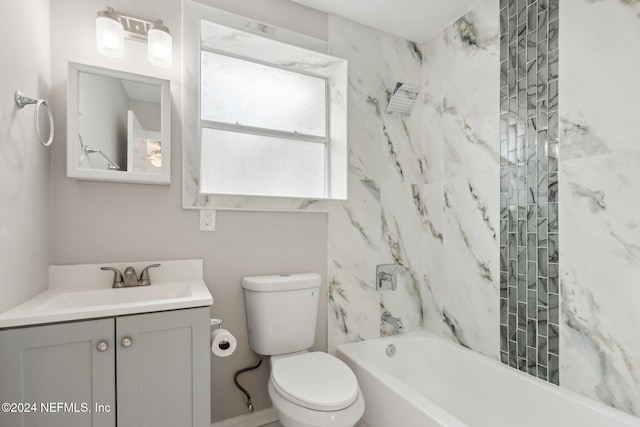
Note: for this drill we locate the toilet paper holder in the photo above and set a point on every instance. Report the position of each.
(224, 345)
(217, 324)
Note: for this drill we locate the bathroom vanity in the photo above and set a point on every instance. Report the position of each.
(97, 356)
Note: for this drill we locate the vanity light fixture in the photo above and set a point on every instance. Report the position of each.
(155, 153)
(109, 34)
(155, 158)
(159, 52)
(112, 28)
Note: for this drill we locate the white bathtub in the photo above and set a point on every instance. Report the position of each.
(433, 382)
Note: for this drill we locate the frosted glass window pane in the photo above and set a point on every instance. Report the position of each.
(238, 91)
(239, 163)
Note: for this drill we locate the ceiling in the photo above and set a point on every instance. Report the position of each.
(415, 20)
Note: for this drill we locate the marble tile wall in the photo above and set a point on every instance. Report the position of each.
(430, 192)
(461, 142)
(385, 217)
(423, 191)
(599, 181)
(529, 292)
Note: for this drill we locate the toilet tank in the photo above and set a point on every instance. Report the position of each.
(281, 312)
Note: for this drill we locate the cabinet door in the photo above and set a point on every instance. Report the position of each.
(59, 369)
(163, 370)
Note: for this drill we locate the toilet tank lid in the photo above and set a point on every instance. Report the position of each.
(281, 282)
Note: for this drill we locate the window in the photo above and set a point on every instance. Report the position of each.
(239, 91)
(270, 119)
(264, 126)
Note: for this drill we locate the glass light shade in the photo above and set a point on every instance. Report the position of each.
(109, 36)
(159, 50)
(155, 158)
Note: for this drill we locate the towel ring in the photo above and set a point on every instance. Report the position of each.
(22, 100)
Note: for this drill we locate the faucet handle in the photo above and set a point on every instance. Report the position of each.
(144, 276)
(386, 277)
(117, 278)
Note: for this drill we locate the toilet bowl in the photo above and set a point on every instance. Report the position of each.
(314, 390)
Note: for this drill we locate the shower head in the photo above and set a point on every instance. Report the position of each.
(402, 99)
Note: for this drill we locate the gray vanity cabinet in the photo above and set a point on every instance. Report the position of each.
(163, 370)
(43, 366)
(157, 364)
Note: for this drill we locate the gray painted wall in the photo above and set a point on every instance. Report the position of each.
(24, 163)
(103, 222)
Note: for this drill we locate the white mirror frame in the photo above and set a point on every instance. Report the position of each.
(73, 126)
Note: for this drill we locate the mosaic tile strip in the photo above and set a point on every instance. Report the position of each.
(529, 293)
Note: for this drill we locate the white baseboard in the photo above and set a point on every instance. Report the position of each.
(257, 419)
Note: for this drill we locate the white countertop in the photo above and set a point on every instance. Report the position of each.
(79, 292)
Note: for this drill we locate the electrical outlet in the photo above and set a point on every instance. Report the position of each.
(207, 220)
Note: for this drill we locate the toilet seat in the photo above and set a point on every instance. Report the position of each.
(315, 381)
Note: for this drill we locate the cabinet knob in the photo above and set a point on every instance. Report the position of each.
(126, 342)
(102, 346)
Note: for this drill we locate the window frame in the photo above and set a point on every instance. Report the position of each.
(329, 68)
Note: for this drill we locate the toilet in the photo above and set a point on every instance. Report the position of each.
(307, 389)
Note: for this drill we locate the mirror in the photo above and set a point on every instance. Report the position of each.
(118, 126)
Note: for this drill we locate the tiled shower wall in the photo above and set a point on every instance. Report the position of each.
(423, 191)
(449, 190)
(461, 82)
(384, 218)
(529, 292)
(599, 154)
(600, 200)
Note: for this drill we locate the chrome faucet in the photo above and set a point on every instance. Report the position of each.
(130, 278)
(394, 322)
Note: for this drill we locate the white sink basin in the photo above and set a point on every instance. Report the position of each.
(118, 296)
(58, 305)
(83, 291)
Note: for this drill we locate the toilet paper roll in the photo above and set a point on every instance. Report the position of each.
(223, 343)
